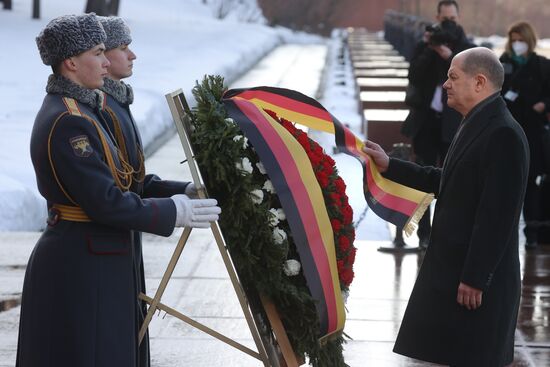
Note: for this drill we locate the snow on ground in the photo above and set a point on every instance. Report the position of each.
(176, 42)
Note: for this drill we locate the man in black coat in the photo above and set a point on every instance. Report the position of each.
(79, 305)
(463, 308)
(431, 124)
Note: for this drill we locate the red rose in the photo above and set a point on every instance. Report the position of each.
(272, 114)
(322, 179)
(317, 149)
(351, 257)
(336, 225)
(340, 265)
(347, 276)
(344, 243)
(340, 185)
(347, 214)
(304, 141)
(328, 169)
(314, 160)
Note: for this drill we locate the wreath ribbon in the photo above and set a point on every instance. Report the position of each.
(391, 201)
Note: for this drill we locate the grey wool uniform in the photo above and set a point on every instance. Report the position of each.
(118, 97)
(120, 122)
(80, 305)
(80, 302)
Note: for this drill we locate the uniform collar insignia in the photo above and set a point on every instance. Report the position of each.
(119, 90)
(58, 84)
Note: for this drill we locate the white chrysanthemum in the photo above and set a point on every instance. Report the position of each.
(279, 236)
(274, 218)
(261, 167)
(229, 120)
(281, 214)
(247, 166)
(237, 138)
(268, 186)
(292, 267)
(244, 166)
(257, 196)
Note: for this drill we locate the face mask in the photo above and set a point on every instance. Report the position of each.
(519, 47)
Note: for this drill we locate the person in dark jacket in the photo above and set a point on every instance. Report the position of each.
(79, 304)
(431, 124)
(526, 91)
(464, 305)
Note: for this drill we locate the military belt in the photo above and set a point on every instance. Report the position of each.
(66, 212)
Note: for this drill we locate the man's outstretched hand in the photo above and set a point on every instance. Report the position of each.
(378, 155)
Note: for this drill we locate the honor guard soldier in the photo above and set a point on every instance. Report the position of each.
(79, 305)
(118, 97)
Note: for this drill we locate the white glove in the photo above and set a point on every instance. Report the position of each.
(191, 191)
(196, 213)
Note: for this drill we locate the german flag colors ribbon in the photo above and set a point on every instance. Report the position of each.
(393, 202)
(291, 173)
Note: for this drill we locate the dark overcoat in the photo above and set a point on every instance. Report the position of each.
(122, 126)
(531, 83)
(474, 240)
(79, 304)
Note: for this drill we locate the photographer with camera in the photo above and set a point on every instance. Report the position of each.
(431, 124)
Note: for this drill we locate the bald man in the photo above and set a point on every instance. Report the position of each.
(463, 308)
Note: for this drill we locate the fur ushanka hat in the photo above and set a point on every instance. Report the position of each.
(69, 35)
(118, 32)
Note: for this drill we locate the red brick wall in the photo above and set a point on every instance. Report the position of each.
(300, 14)
(482, 18)
(363, 13)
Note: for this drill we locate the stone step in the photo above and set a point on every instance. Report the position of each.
(393, 58)
(381, 73)
(360, 52)
(384, 127)
(370, 46)
(382, 100)
(381, 65)
(382, 84)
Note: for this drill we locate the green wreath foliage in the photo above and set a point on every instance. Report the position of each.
(232, 174)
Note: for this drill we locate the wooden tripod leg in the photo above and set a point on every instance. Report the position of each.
(280, 334)
(201, 327)
(164, 282)
(240, 294)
